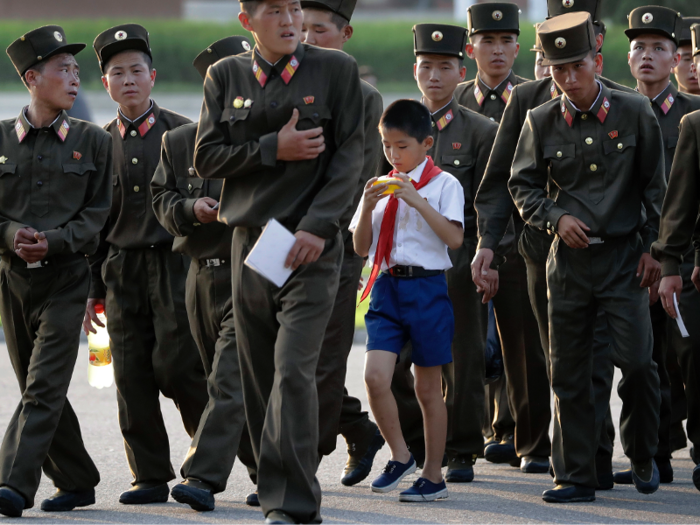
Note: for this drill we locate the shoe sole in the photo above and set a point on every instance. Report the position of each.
(452, 478)
(646, 489)
(48, 508)
(534, 470)
(159, 499)
(8, 509)
(187, 499)
(499, 459)
(389, 488)
(441, 495)
(581, 499)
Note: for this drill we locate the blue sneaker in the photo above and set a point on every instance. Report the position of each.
(392, 475)
(425, 490)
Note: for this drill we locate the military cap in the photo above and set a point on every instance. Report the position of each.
(567, 38)
(344, 8)
(439, 39)
(496, 16)
(695, 38)
(226, 47)
(656, 20)
(687, 22)
(39, 45)
(537, 47)
(125, 37)
(562, 7)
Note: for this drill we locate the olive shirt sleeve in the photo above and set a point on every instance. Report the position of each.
(89, 221)
(8, 230)
(174, 211)
(680, 209)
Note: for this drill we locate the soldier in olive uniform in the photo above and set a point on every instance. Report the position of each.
(605, 226)
(540, 70)
(327, 25)
(283, 125)
(495, 208)
(186, 206)
(686, 74)
(463, 142)
(55, 192)
(679, 267)
(653, 33)
(139, 277)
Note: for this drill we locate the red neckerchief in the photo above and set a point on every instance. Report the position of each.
(386, 233)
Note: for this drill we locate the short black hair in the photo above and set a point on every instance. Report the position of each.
(148, 60)
(410, 117)
(338, 21)
(251, 6)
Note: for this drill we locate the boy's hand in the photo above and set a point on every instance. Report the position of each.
(373, 194)
(407, 192)
(650, 269)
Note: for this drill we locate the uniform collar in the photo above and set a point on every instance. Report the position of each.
(61, 125)
(286, 67)
(444, 117)
(666, 98)
(503, 90)
(553, 88)
(143, 124)
(600, 108)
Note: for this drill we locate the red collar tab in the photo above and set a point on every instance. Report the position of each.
(147, 124)
(445, 120)
(603, 111)
(260, 75)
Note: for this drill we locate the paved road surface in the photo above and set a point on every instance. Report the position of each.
(500, 494)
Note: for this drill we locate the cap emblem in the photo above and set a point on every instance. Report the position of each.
(120, 35)
(497, 15)
(210, 50)
(567, 3)
(58, 36)
(647, 18)
(438, 36)
(560, 43)
(245, 45)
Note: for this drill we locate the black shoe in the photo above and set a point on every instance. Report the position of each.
(606, 480)
(646, 477)
(534, 465)
(696, 477)
(503, 452)
(624, 477)
(569, 494)
(460, 470)
(11, 503)
(278, 516)
(252, 500)
(197, 497)
(144, 493)
(665, 470)
(489, 441)
(64, 501)
(358, 468)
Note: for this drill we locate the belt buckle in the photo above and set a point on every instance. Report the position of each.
(213, 263)
(33, 266)
(595, 240)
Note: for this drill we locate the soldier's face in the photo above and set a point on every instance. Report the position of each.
(438, 75)
(686, 76)
(652, 58)
(494, 52)
(404, 152)
(577, 80)
(319, 30)
(128, 79)
(58, 83)
(540, 70)
(276, 26)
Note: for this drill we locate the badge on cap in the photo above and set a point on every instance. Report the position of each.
(120, 35)
(647, 18)
(567, 3)
(560, 42)
(438, 36)
(245, 45)
(497, 15)
(58, 36)
(238, 103)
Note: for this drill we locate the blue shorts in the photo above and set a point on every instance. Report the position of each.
(412, 309)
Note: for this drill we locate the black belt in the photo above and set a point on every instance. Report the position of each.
(52, 261)
(412, 272)
(212, 263)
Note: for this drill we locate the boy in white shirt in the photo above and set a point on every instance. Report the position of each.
(406, 236)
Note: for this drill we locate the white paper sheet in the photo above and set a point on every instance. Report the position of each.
(270, 252)
(679, 319)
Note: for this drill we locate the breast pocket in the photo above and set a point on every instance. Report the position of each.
(191, 187)
(561, 159)
(232, 115)
(10, 185)
(462, 167)
(313, 117)
(79, 169)
(622, 145)
(77, 177)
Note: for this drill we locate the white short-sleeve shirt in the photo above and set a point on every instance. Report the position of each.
(415, 243)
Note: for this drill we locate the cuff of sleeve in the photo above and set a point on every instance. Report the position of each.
(670, 267)
(97, 290)
(188, 211)
(10, 233)
(488, 241)
(268, 149)
(553, 217)
(498, 261)
(323, 229)
(55, 240)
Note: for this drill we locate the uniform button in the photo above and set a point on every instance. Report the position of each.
(315, 115)
(400, 245)
(39, 158)
(457, 163)
(493, 97)
(594, 167)
(191, 171)
(39, 183)
(559, 154)
(584, 116)
(620, 146)
(189, 187)
(133, 133)
(492, 119)
(137, 189)
(589, 141)
(549, 225)
(134, 160)
(273, 105)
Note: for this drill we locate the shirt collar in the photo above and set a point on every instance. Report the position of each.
(143, 124)
(600, 108)
(61, 125)
(285, 67)
(416, 173)
(444, 116)
(503, 89)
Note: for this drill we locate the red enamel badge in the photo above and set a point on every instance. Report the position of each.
(309, 100)
(77, 155)
(456, 145)
(613, 134)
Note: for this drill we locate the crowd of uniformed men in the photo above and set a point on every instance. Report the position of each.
(566, 233)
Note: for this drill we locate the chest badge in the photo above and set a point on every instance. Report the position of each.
(613, 134)
(3, 159)
(456, 145)
(247, 104)
(238, 103)
(77, 155)
(309, 100)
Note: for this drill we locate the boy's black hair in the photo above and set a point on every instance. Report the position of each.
(148, 61)
(409, 116)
